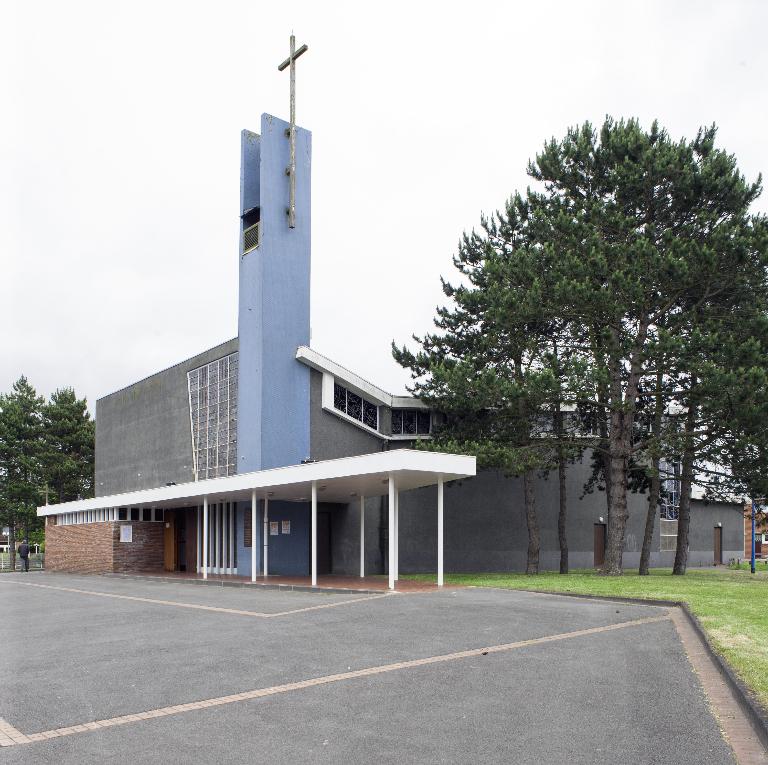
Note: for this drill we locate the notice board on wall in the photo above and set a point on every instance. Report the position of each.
(126, 533)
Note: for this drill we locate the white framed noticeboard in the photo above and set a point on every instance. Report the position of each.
(126, 533)
(286, 527)
(274, 528)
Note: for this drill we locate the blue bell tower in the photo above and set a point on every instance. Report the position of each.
(274, 299)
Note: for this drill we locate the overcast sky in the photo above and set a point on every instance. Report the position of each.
(119, 154)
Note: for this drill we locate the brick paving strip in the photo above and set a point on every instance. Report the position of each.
(735, 725)
(198, 607)
(14, 737)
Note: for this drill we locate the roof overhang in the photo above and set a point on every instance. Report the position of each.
(321, 363)
(338, 480)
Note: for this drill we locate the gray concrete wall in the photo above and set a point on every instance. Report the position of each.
(330, 436)
(143, 436)
(485, 527)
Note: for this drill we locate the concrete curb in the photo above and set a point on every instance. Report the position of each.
(751, 707)
(248, 585)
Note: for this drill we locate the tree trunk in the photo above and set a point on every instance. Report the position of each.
(12, 542)
(617, 522)
(653, 496)
(650, 519)
(534, 541)
(562, 516)
(562, 537)
(686, 481)
(622, 421)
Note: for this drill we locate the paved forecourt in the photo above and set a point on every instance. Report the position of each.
(98, 669)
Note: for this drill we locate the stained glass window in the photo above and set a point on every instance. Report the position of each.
(370, 415)
(411, 422)
(355, 406)
(213, 413)
(340, 397)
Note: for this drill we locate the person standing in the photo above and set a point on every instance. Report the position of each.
(24, 555)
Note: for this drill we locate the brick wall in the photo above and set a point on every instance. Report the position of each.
(85, 548)
(761, 527)
(144, 553)
(95, 548)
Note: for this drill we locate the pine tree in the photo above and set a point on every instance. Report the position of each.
(492, 370)
(640, 233)
(21, 468)
(69, 446)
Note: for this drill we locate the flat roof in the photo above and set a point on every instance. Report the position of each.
(338, 480)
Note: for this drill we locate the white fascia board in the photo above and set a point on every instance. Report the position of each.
(408, 402)
(358, 384)
(435, 464)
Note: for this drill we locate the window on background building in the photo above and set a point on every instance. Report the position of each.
(669, 504)
(158, 514)
(669, 473)
(411, 422)
(134, 513)
(355, 406)
(146, 514)
(213, 414)
(122, 514)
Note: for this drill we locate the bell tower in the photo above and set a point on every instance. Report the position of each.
(274, 299)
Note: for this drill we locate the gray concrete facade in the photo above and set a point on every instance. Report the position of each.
(143, 432)
(143, 440)
(485, 528)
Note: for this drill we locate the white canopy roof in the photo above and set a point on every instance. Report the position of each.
(337, 480)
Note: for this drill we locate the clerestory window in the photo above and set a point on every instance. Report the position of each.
(355, 406)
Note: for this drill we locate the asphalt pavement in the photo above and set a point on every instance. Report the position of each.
(80, 649)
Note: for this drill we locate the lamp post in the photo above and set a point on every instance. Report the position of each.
(752, 556)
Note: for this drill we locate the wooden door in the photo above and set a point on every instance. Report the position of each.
(323, 543)
(599, 545)
(718, 545)
(169, 542)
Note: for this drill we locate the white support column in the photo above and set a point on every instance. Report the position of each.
(231, 556)
(199, 547)
(440, 531)
(362, 536)
(397, 534)
(391, 534)
(253, 535)
(265, 560)
(314, 533)
(205, 537)
(217, 538)
(225, 538)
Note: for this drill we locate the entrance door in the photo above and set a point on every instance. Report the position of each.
(718, 545)
(181, 541)
(323, 543)
(601, 531)
(169, 541)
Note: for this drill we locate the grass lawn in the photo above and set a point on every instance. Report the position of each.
(731, 604)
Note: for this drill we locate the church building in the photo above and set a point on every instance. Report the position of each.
(262, 457)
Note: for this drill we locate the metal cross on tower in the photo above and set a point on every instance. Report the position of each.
(291, 171)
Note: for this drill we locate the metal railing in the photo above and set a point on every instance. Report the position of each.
(36, 562)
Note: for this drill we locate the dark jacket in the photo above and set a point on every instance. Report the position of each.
(23, 550)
